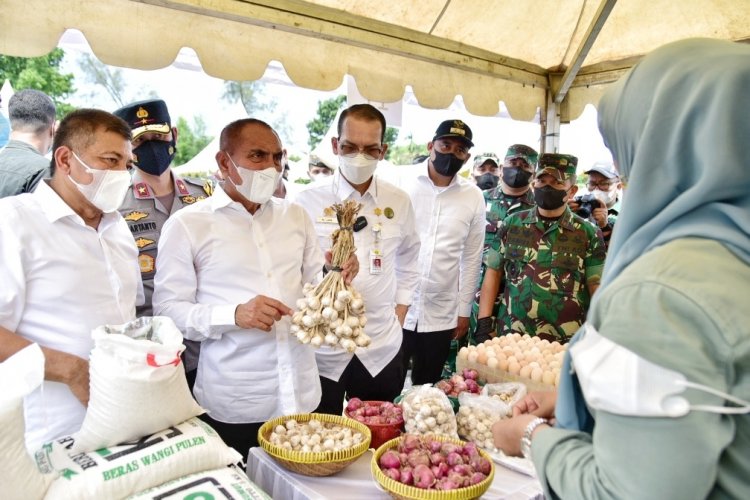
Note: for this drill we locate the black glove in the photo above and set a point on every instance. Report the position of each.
(485, 326)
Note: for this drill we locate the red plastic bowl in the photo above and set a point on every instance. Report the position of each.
(381, 433)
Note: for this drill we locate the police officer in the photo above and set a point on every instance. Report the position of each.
(552, 259)
(156, 193)
(512, 195)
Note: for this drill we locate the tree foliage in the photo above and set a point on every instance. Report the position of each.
(318, 126)
(111, 79)
(190, 139)
(405, 154)
(257, 104)
(40, 73)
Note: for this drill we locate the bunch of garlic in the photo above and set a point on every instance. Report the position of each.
(314, 436)
(331, 316)
(333, 313)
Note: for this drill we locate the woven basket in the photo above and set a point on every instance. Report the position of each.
(402, 491)
(314, 464)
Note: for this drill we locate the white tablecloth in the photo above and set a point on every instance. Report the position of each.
(356, 482)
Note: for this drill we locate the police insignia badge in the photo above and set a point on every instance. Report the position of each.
(208, 188)
(143, 242)
(328, 212)
(135, 216)
(378, 211)
(188, 200)
(146, 263)
(388, 212)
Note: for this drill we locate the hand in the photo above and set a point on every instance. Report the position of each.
(461, 327)
(349, 270)
(484, 329)
(401, 311)
(507, 433)
(600, 214)
(574, 206)
(260, 312)
(78, 379)
(538, 403)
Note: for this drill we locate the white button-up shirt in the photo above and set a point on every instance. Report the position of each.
(451, 228)
(215, 255)
(60, 280)
(398, 244)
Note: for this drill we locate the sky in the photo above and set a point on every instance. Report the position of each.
(189, 92)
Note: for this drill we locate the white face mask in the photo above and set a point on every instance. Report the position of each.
(357, 169)
(108, 188)
(608, 197)
(257, 186)
(617, 380)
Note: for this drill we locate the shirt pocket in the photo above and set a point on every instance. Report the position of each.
(566, 274)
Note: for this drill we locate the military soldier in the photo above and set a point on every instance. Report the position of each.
(156, 191)
(512, 195)
(552, 260)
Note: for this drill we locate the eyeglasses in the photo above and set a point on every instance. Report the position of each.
(259, 156)
(603, 185)
(370, 152)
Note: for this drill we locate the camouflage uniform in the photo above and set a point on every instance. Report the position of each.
(499, 206)
(146, 215)
(546, 266)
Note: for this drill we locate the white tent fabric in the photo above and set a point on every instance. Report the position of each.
(487, 51)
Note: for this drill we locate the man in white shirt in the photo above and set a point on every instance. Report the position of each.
(68, 264)
(386, 240)
(450, 211)
(226, 269)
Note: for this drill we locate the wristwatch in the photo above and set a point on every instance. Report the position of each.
(526, 439)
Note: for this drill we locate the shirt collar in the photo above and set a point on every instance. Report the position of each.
(346, 190)
(565, 221)
(55, 208)
(220, 199)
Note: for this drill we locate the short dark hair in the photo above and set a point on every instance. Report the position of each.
(77, 129)
(230, 133)
(31, 111)
(367, 112)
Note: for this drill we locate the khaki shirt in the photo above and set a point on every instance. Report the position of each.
(145, 216)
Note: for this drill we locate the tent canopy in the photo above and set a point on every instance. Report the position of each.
(530, 54)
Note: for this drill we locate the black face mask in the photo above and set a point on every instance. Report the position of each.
(516, 177)
(549, 198)
(447, 164)
(154, 157)
(486, 181)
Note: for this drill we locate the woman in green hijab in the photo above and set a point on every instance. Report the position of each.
(654, 403)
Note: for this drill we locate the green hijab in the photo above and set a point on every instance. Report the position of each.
(678, 126)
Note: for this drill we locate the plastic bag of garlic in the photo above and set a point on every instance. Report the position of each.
(515, 358)
(333, 313)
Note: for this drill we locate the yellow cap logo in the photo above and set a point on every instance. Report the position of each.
(141, 113)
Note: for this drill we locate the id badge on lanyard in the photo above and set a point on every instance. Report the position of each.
(376, 253)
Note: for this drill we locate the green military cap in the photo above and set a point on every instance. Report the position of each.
(561, 167)
(524, 152)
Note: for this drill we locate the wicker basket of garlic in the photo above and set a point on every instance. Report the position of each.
(314, 444)
(515, 358)
(333, 313)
